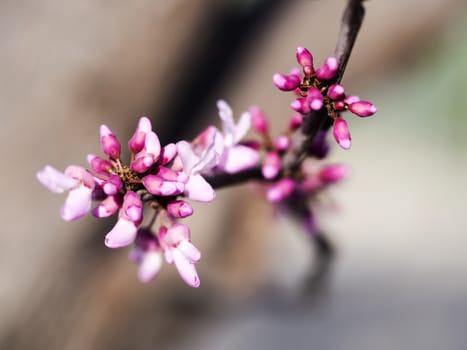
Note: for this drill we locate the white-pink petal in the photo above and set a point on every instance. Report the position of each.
(77, 203)
(190, 251)
(149, 266)
(122, 234)
(238, 158)
(56, 181)
(185, 268)
(198, 189)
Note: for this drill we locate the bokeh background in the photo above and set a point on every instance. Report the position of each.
(397, 278)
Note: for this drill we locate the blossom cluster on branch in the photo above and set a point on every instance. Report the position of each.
(158, 180)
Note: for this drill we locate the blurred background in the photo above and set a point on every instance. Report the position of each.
(397, 279)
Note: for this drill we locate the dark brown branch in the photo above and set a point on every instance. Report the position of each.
(350, 26)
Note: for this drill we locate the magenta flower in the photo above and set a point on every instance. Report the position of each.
(178, 249)
(316, 91)
(341, 133)
(77, 181)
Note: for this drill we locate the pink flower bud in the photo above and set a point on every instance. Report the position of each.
(334, 172)
(282, 143)
(168, 153)
(300, 105)
(280, 190)
(339, 105)
(286, 82)
(351, 99)
(363, 108)
(132, 209)
(179, 209)
(98, 165)
(259, 120)
(107, 207)
(113, 185)
(271, 166)
(328, 69)
(295, 122)
(315, 99)
(136, 143)
(305, 59)
(110, 144)
(160, 187)
(335, 91)
(341, 133)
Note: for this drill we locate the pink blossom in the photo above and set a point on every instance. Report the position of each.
(301, 105)
(178, 249)
(363, 108)
(271, 165)
(282, 143)
(196, 187)
(147, 254)
(341, 133)
(137, 141)
(179, 209)
(235, 157)
(108, 207)
(334, 173)
(335, 91)
(110, 144)
(148, 155)
(280, 190)
(315, 99)
(295, 121)
(77, 181)
(328, 69)
(129, 219)
(305, 59)
(259, 120)
(286, 82)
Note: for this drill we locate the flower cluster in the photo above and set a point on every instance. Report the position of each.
(294, 190)
(161, 178)
(317, 90)
(156, 177)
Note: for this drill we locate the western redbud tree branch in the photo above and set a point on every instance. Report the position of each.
(316, 120)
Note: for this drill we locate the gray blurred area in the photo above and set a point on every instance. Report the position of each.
(397, 278)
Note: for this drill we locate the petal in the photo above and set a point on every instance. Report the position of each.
(210, 157)
(242, 127)
(152, 144)
(226, 115)
(239, 158)
(107, 207)
(136, 143)
(271, 165)
(179, 209)
(55, 180)
(187, 156)
(77, 204)
(110, 144)
(160, 187)
(122, 234)
(198, 189)
(190, 251)
(185, 268)
(150, 265)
